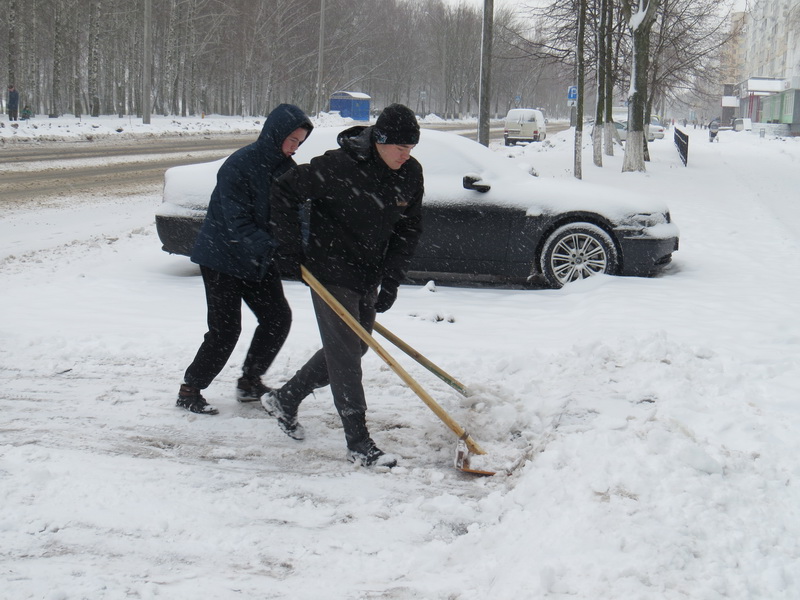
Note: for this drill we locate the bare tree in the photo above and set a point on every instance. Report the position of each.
(243, 57)
(94, 57)
(58, 57)
(640, 16)
(685, 46)
(11, 37)
(600, 108)
(601, 28)
(608, 84)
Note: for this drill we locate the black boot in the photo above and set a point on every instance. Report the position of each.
(191, 399)
(367, 454)
(287, 419)
(250, 389)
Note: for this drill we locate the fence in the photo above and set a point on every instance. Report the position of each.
(682, 144)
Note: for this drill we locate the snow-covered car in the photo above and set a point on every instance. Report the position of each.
(485, 217)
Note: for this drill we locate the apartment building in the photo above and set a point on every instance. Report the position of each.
(769, 91)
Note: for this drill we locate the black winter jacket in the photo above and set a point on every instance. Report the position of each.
(364, 218)
(235, 237)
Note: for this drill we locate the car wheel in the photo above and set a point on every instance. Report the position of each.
(576, 251)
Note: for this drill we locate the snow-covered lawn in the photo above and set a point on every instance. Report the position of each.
(650, 425)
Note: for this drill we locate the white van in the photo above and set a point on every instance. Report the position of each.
(524, 125)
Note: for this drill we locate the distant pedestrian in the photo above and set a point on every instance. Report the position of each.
(26, 113)
(13, 103)
(235, 251)
(713, 130)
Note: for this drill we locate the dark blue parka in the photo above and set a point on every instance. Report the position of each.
(235, 237)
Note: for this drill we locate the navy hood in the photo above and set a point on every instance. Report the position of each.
(235, 237)
(281, 122)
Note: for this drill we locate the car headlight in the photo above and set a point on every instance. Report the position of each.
(646, 225)
(645, 220)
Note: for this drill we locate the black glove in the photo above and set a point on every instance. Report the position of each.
(387, 295)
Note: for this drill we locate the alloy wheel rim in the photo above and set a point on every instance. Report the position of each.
(578, 256)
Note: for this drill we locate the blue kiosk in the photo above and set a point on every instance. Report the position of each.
(353, 105)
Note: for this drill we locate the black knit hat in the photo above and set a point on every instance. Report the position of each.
(396, 125)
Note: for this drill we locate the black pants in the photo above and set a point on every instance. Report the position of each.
(338, 363)
(224, 295)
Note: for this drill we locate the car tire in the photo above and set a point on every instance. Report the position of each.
(577, 251)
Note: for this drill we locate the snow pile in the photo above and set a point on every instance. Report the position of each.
(70, 128)
(644, 430)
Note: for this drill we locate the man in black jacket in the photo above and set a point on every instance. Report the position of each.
(235, 252)
(364, 224)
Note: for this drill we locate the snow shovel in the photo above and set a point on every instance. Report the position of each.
(425, 362)
(466, 444)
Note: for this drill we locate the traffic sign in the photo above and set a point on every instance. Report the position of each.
(572, 92)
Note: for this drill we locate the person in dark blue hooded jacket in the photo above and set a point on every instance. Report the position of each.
(235, 251)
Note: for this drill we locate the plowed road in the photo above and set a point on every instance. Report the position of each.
(40, 171)
(119, 167)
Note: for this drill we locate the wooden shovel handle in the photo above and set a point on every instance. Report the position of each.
(362, 333)
(425, 362)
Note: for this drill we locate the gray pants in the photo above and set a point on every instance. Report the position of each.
(338, 363)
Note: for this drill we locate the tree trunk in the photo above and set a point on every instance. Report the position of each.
(608, 32)
(94, 58)
(602, 99)
(58, 56)
(640, 15)
(13, 48)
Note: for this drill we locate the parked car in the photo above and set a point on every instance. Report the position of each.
(484, 218)
(657, 130)
(622, 130)
(742, 124)
(524, 125)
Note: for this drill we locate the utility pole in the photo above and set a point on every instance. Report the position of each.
(147, 59)
(317, 101)
(581, 67)
(485, 77)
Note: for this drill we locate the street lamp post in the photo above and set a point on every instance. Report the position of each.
(486, 67)
(318, 99)
(147, 60)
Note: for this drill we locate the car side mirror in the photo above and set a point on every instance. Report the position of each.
(473, 182)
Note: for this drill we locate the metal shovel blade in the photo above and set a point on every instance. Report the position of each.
(462, 460)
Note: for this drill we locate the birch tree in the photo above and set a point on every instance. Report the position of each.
(58, 57)
(94, 58)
